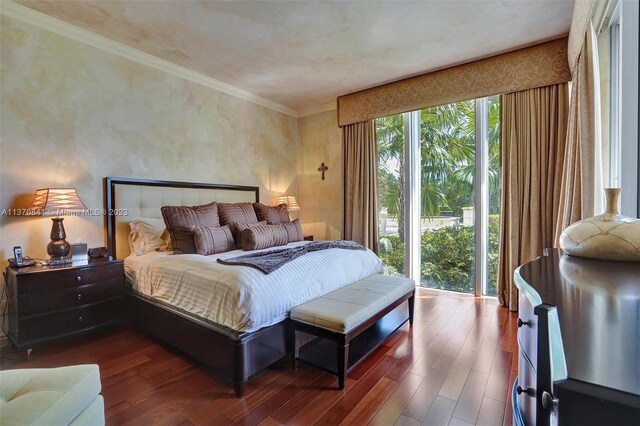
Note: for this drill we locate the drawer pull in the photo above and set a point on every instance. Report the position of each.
(80, 319)
(526, 391)
(521, 323)
(549, 402)
(79, 296)
(78, 278)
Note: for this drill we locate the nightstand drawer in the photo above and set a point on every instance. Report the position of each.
(71, 320)
(107, 272)
(47, 301)
(53, 280)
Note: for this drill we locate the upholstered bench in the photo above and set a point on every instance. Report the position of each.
(51, 396)
(342, 315)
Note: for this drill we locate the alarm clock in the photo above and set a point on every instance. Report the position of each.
(97, 252)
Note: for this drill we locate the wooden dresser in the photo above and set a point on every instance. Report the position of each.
(579, 342)
(46, 303)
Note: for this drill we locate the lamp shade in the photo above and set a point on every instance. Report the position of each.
(57, 201)
(290, 201)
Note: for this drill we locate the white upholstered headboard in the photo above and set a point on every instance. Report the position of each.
(143, 198)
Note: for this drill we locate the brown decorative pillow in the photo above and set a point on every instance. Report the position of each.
(236, 212)
(237, 228)
(264, 236)
(209, 240)
(294, 231)
(276, 214)
(180, 219)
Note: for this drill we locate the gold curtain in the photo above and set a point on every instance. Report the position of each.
(582, 10)
(361, 184)
(533, 137)
(581, 178)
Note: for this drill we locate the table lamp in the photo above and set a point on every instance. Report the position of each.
(290, 201)
(57, 202)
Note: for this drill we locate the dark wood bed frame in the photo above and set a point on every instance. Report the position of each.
(234, 356)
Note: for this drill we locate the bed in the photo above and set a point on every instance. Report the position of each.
(231, 318)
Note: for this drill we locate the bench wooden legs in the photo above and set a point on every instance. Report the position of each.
(411, 301)
(292, 347)
(343, 358)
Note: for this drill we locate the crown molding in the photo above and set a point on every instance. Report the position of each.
(22, 13)
(330, 106)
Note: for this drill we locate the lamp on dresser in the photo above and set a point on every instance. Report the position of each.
(57, 202)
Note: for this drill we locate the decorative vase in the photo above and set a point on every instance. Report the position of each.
(609, 236)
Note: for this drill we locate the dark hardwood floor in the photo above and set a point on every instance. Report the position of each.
(455, 367)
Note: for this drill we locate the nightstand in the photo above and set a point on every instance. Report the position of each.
(307, 237)
(46, 303)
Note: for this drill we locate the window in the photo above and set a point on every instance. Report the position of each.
(437, 168)
(391, 173)
(624, 153)
(615, 158)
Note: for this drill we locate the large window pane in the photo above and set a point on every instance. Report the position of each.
(445, 250)
(447, 146)
(391, 172)
(494, 195)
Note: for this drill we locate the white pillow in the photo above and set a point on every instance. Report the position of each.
(147, 235)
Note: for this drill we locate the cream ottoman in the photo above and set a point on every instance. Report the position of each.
(51, 396)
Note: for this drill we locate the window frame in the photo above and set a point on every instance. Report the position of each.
(412, 179)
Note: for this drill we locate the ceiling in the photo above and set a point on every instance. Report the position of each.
(302, 54)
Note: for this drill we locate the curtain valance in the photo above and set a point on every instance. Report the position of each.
(541, 65)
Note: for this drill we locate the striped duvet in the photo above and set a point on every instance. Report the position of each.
(240, 297)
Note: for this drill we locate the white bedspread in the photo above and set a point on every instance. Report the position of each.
(240, 297)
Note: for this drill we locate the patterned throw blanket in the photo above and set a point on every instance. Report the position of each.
(269, 261)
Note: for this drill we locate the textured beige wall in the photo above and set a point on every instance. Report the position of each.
(320, 200)
(72, 114)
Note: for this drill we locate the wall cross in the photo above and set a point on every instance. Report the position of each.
(323, 168)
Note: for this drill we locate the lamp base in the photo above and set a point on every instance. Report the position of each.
(58, 248)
